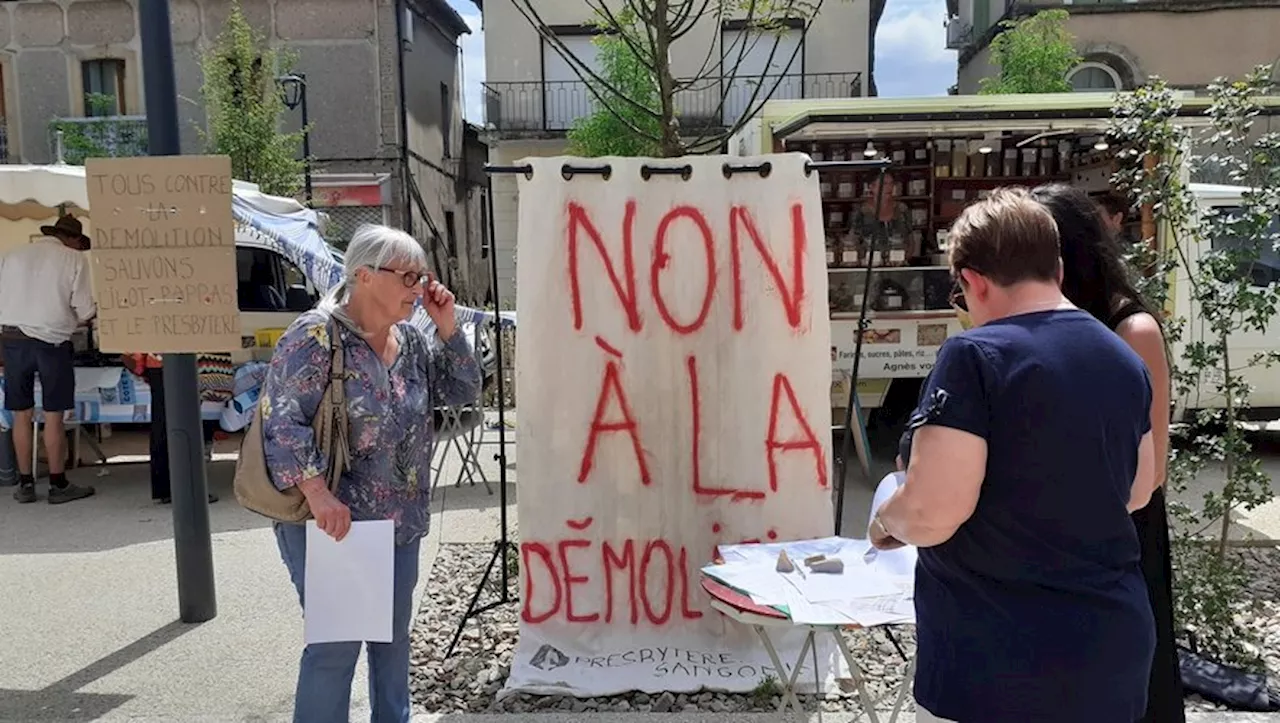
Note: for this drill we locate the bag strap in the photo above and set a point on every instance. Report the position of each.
(336, 403)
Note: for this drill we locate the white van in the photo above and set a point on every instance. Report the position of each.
(1245, 343)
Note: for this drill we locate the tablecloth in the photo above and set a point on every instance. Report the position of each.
(108, 395)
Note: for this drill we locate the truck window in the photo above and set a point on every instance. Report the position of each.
(1266, 270)
(268, 282)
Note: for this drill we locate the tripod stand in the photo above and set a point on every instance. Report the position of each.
(879, 243)
(503, 546)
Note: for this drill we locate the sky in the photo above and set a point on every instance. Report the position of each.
(911, 54)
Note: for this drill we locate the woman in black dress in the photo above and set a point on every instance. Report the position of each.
(1096, 279)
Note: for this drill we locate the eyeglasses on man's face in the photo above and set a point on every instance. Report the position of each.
(410, 279)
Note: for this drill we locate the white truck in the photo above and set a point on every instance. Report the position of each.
(946, 153)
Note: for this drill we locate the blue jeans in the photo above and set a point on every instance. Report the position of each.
(324, 676)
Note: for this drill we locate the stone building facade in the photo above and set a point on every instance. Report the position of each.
(384, 96)
(1122, 43)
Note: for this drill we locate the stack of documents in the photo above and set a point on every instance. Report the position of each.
(878, 592)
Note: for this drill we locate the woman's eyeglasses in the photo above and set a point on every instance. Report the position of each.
(409, 278)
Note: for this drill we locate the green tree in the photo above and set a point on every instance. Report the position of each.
(625, 122)
(244, 105)
(1226, 300)
(651, 28)
(1034, 55)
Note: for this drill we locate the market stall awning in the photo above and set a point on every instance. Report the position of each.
(37, 192)
(857, 116)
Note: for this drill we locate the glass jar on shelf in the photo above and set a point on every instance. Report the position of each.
(942, 159)
(1030, 160)
(920, 153)
(844, 292)
(1010, 167)
(851, 250)
(890, 294)
(1048, 155)
(845, 187)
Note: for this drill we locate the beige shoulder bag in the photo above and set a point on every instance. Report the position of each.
(253, 486)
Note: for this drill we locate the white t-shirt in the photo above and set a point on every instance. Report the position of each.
(45, 290)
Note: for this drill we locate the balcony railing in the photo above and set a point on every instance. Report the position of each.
(98, 137)
(554, 106)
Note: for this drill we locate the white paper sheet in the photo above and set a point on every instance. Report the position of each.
(858, 580)
(902, 561)
(348, 585)
(867, 594)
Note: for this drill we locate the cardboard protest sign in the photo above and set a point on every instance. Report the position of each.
(673, 375)
(164, 256)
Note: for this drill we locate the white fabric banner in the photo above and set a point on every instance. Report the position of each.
(673, 372)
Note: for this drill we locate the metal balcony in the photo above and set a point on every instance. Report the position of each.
(552, 107)
(118, 136)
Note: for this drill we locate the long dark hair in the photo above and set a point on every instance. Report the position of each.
(1094, 274)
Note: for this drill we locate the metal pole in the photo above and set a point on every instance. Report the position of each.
(501, 456)
(306, 137)
(193, 544)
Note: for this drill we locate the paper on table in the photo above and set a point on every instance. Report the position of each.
(768, 552)
(880, 611)
(348, 585)
(806, 612)
(764, 585)
(858, 580)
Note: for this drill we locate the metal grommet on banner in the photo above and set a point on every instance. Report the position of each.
(526, 170)
(567, 172)
(685, 172)
(764, 169)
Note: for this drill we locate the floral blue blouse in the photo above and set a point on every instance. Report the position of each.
(389, 413)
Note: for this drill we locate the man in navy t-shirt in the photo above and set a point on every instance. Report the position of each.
(1030, 446)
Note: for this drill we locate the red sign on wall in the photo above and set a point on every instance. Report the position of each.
(367, 194)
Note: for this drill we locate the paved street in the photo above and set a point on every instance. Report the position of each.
(89, 610)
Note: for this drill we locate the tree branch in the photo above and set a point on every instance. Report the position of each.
(672, 145)
(705, 140)
(581, 69)
(685, 19)
(625, 31)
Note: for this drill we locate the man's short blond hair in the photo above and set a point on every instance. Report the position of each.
(1007, 237)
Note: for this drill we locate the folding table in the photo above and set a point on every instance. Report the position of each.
(739, 608)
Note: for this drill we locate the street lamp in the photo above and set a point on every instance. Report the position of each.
(293, 87)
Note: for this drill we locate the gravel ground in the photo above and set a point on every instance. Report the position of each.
(471, 679)
(1264, 592)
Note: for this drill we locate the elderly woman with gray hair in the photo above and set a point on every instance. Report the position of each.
(394, 379)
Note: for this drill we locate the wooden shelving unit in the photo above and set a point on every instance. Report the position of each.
(932, 180)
